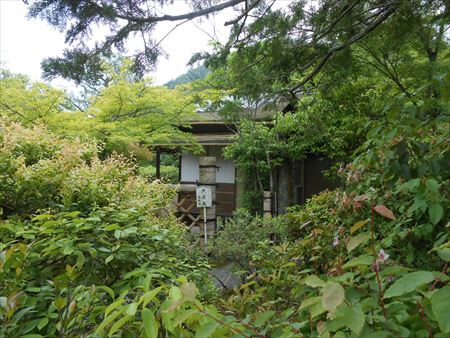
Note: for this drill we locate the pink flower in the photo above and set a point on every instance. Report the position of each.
(336, 241)
(390, 279)
(382, 256)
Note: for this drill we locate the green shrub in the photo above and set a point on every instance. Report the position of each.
(239, 238)
(370, 260)
(78, 233)
(40, 171)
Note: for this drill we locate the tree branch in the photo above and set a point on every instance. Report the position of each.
(243, 14)
(340, 47)
(17, 112)
(190, 16)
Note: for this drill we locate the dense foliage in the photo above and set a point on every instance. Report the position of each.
(76, 231)
(128, 116)
(109, 264)
(369, 260)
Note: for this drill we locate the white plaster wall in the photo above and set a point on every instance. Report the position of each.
(225, 172)
(190, 167)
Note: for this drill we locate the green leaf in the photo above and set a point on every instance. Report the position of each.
(409, 283)
(310, 301)
(183, 315)
(112, 306)
(117, 325)
(357, 261)
(314, 281)
(440, 305)
(346, 316)
(357, 240)
(436, 211)
(206, 329)
(432, 185)
(107, 289)
(112, 227)
(130, 309)
(42, 323)
(80, 259)
(130, 230)
(316, 310)
(444, 254)
(150, 324)
(149, 295)
(108, 320)
(263, 318)
(72, 214)
(333, 296)
(175, 293)
(355, 320)
(41, 217)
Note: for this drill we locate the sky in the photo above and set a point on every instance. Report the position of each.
(24, 43)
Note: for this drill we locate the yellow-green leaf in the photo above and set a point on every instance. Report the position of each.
(130, 309)
(117, 325)
(333, 296)
(357, 261)
(150, 324)
(314, 281)
(206, 329)
(358, 225)
(189, 291)
(149, 296)
(357, 240)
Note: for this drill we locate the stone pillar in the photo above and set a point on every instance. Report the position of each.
(267, 204)
(208, 170)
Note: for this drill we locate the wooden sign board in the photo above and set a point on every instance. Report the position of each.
(204, 197)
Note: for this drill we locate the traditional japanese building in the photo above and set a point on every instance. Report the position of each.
(294, 181)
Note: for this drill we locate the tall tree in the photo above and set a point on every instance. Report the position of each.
(26, 101)
(299, 38)
(123, 20)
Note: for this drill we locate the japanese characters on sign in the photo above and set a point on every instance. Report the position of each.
(204, 197)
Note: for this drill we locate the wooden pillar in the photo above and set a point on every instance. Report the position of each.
(267, 206)
(158, 163)
(207, 166)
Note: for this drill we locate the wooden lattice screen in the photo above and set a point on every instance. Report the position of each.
(184, 206)
(185, 213)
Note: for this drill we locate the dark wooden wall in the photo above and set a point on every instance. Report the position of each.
(299, 180)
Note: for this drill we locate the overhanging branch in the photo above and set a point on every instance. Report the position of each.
(384, 15)
(186, 16)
